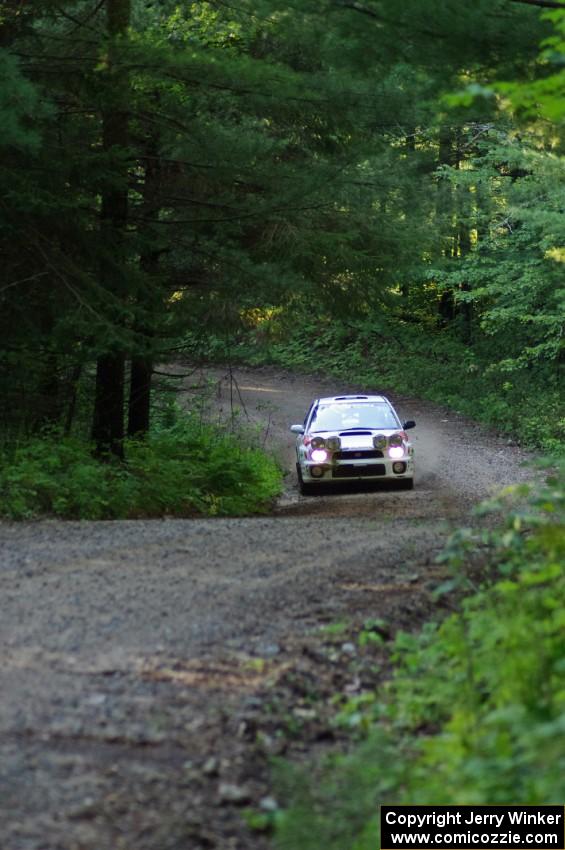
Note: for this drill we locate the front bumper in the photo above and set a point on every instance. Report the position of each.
(352, 469)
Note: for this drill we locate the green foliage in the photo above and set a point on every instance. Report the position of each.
(334, 629)
(540, 94)
(475, 713)
(543, 95)
(511, 281)
(19, 100)
(187, 469)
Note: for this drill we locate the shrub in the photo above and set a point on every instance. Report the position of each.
(189, 468)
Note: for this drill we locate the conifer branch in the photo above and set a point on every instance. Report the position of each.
(355, 6)
(543, 4)
(81, 22)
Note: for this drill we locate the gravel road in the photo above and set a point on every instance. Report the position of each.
(132, 652)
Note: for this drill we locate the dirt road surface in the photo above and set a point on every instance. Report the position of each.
(151, 668)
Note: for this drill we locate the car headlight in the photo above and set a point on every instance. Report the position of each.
(333, 444)
(379, 441)
(319, 455)
(318, 442)
(395, 440)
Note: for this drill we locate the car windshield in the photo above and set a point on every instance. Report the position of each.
(343, 417)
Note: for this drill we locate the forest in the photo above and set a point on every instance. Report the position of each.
(371, 187)
(364, 190)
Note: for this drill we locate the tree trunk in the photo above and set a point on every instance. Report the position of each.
(108, 418)
(48, 402)
(73, 392)
(464, 215)
(142, 362)
(465, 307)
(140, 396)
(444, 212)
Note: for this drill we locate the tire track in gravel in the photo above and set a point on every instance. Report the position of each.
(142, 660)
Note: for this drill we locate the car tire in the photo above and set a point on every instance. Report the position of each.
(406, 484)
(305, 489)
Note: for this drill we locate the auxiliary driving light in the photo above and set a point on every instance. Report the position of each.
(396, 452)
(333, 443)
(318, 443)
(316, 471)
(399, 467)
(319, 455)
(395, 440)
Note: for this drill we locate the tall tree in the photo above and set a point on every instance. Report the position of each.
(108, 417)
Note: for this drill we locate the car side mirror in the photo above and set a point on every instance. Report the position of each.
(409, 424)
(297, 429)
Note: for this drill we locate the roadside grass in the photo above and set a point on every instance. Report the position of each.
(186, 469)
(475, 711)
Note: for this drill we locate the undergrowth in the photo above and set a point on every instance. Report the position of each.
(525, 401)
(185, 469)
(475, 713)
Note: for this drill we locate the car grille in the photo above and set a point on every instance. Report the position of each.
(349, 470)
(357, 454)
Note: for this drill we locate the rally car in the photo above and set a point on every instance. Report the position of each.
(353, 438)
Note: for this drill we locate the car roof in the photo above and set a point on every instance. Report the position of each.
(358, 399)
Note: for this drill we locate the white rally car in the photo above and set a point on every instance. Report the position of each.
(353, 437)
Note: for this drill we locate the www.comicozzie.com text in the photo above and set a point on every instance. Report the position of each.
(413, 821)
